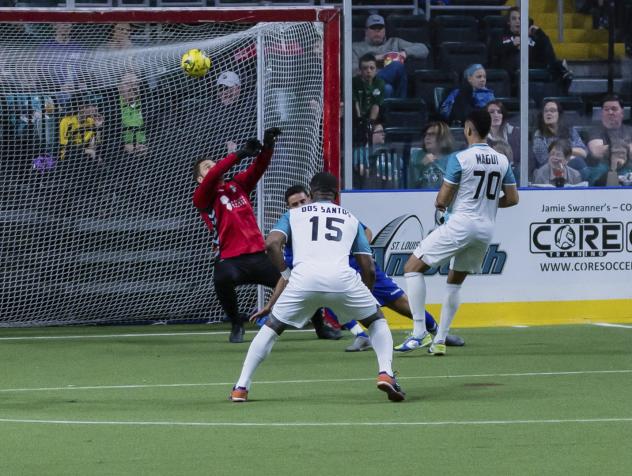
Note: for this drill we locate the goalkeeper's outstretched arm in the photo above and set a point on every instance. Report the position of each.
(248, 178)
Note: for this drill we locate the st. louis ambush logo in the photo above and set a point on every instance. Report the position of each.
(393, 245)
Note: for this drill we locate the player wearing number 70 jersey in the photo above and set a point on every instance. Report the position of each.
(323, 235)
(471, 192)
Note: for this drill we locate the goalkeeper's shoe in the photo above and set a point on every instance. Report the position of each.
(388, 384)
(412, 343)
(437, 349)
(238, 394)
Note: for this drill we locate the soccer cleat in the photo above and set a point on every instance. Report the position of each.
(412, 343)
(454, 341)
(437, 349)
(238, 394)
(236, 334)
(388, 384)
(359, 344)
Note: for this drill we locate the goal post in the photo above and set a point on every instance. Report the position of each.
(102, 127)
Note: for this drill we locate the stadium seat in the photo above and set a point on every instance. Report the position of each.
(459, 137)
(457, 56)
(403, 135)
(439, 94)
(498, 81)
(569, 103)
(596, 113)
(541, 85)
(426, 80)
(413, 28)
(492, 26)
(512, 106)
(405, 112)
(455, 28)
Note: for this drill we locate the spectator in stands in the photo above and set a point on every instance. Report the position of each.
(132, 122)
(60, 65)
(228, 94)
(502, 131)
(378, 165)
(610, 145)
(427, 164)
(551, 126)
(120, 38)
(556, 171)
(79, 131)
(473, 94)
(390, 54)
(505, 52)
(368, 96)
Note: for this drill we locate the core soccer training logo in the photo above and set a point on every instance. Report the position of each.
(576, 237)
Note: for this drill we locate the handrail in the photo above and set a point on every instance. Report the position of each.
(430, 7)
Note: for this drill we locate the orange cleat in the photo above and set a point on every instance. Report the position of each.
(389, 384)
(238, 394)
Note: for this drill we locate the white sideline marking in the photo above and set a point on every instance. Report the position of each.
(150, 334)
(280, 382)
(606, 324)
(319, 424)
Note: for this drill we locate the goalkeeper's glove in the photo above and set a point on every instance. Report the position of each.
(269, 137)
(249, 149)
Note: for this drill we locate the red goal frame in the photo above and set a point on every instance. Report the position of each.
(329, 16)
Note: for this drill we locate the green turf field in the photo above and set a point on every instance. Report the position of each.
(153, 400)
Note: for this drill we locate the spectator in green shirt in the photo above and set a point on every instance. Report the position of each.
(368, 96)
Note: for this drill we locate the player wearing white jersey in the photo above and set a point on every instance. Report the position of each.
(323, 235)
(471, 194)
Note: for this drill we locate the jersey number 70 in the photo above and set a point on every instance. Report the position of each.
(493, 183)
(330, 225)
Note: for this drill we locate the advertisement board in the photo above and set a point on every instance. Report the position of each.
(567, 251)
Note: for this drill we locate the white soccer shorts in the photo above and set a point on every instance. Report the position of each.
(295, 307)
(459, 241)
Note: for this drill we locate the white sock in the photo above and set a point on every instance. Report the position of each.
(382, 342)
(259, 349)
(450, 306)
(416, 286)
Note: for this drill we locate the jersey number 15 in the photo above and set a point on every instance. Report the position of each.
(329, 225)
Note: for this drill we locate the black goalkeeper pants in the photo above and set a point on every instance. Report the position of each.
(255, 268)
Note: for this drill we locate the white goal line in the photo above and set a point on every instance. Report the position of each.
(320, 424)
(316, 381)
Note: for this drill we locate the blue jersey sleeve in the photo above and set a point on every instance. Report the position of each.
(453, 170)
(283, 225)
(361, 244)
(509, 178)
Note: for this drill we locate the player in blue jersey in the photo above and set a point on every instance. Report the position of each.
(471, 193)
(323, 235)
(385, 290)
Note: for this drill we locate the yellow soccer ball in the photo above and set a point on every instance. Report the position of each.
(195, 63)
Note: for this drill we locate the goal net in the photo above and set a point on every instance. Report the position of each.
(101, 128)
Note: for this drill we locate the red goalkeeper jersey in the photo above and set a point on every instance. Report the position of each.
(226, 208)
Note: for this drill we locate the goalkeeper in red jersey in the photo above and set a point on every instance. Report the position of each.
(227, 211)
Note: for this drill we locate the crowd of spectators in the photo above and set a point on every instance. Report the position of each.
(385, 80)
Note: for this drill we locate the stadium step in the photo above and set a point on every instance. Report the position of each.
(581, 41)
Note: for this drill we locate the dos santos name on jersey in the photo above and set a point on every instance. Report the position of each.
(487, 159)
(315, 207)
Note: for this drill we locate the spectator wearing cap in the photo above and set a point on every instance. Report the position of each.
(229, 87)
(390, 53)
(473, 94)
